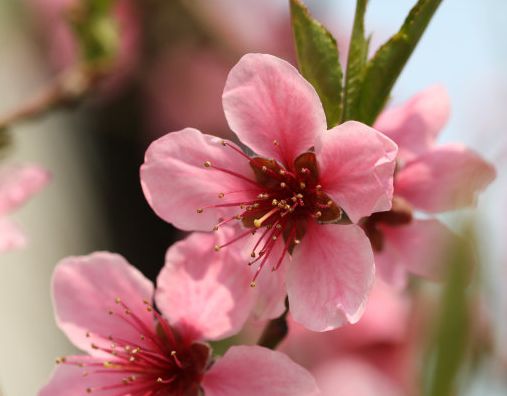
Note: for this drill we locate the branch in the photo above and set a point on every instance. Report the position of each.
(275, 331)
(65, 90)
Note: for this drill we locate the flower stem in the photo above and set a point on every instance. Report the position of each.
(275, 331)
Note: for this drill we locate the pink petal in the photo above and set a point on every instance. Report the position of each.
(69, 380)
(84, 291)
(390, 267)
(176, 183)
(266, 99)
(356, 165)
(352, 376)
(271, 292)
(205, 290)
(330, 276)
(18, 184)
(415, 125)
(420, 248)
(254, 371)
(11, 236)
(445, 178)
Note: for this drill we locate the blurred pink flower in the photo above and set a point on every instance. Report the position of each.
(17, 185)
(51, 16)
(185, 83)
(354, 376)
(430, 178)
(291, 194)
(383, 342)
(104, 306)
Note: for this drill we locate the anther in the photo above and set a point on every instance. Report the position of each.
(221, 195)
(200, 210)
(329, 203)
(60, 360)
(117, 300)
(89, 390)
(283, 185)
(207, 164)
(216, 248)
(274, 202)
(282, 172)
(299, 196)
(275, 142)
(223, 143)
(297, 241)
(264, 168)
(318, 214)
(252, 284)
(252, 254)
(215, 228)
(302, 185)
(318, 187)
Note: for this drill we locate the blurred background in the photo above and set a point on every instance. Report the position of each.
(171, 62)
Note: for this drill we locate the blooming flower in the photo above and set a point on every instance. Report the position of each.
(104, 305)
(430, 178)
(17, 185)
(304, 180)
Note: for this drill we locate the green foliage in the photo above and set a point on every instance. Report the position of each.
(318, 60)
(96, 30)
(383, 69)
(450, 344)
(357, 57)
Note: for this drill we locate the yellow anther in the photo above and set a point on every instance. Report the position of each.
(200, 210)
(223, 143)
(60, 360)
(252, 254)
(282, 172)
(207, 164)
(221, 195)
(216, 248)
(299, 196)
(318, 214)
(252, 284)
(264, 168)
(283, 185)
(274, 202)
(117, 300)
(297, 241)
(302, 185)
(329, 203)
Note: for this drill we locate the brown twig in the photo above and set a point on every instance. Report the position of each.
(275, 331)
(65, 90)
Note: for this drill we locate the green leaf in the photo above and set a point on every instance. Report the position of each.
(96, 30)
(356, 61)
(384, 68)
(318, 60)
(448, 350)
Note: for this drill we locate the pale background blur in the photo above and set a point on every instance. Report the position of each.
(464, 49)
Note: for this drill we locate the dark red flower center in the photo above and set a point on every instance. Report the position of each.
(283, 200)
(399, 215)
(159, 362)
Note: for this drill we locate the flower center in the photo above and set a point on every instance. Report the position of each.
(399, 215)
(158, 362)
(280, 204)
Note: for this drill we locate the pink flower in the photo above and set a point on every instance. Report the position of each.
(304, 180)
(430, 178)
(104, 305)
(354, 376)
(17, 185)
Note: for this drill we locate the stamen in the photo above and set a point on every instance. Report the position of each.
(258, 222)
